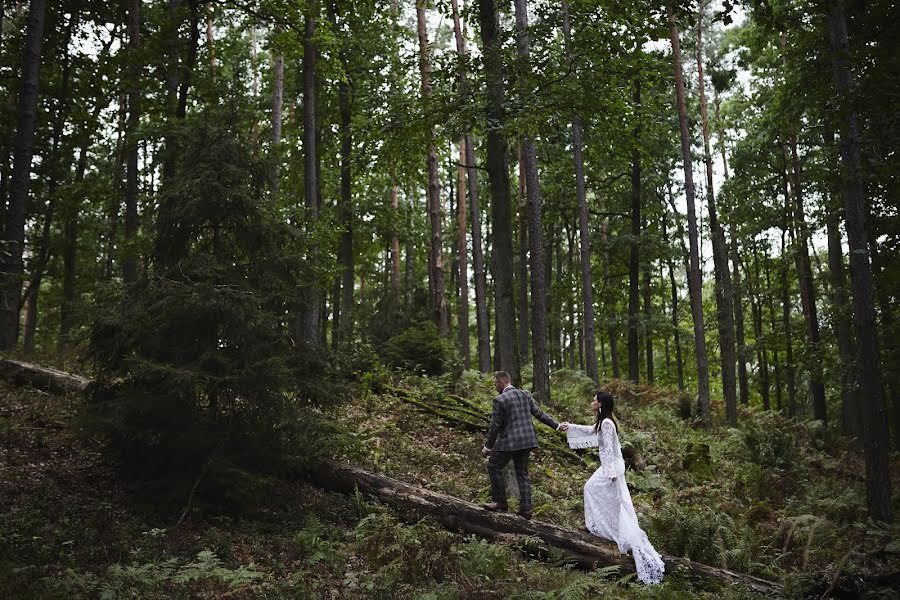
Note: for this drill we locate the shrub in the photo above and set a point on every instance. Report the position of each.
(199, 379)
(418, 348)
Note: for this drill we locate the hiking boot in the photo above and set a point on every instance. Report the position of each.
(525, 513)
(495, 506)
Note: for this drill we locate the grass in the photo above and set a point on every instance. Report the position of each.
(775, 497)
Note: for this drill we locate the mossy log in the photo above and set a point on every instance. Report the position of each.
(413, 503)
(42, 378)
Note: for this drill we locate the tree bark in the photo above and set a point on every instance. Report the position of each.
(807, 290)
(70, 251)
(277, 102)
(756, 309)
(676, 329)
(481, 316)
(462, 225)
(522, 265)
(788, 338)
(13, 242)
(395, 242)
(634, 258)
(695, 282)
(130, 267)
(344, 327)
(538, 306)
(51, 380)
(498, 174)
(211, 40)
(743, 384)
(436, 258)
(309, 313)
(779, 384)
(648, 308)
(173, 72)
(851, 402)
(584, 236)
(723, 290)
(878, 480)
(480, 276)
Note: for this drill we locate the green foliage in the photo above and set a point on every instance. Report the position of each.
(158, 580)
(418, 348)
(198, 376)
(702, 534)
(769, 446)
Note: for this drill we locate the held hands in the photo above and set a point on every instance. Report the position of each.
(485, 451)
(564, 426)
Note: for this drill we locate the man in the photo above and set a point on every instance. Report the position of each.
(512, 437)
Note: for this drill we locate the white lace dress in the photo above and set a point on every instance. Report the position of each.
(608, 510)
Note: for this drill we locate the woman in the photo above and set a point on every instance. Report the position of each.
(608, 510)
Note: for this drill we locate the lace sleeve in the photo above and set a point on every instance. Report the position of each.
(582, 436)
(607, 449)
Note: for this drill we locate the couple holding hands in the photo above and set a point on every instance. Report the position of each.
(608, 510)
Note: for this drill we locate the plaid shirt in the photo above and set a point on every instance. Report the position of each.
(511, 426)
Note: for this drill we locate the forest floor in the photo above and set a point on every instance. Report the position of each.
(776, 498)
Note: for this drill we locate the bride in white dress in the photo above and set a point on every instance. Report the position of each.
(608, 510)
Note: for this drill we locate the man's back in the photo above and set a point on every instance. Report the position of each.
(511, 423)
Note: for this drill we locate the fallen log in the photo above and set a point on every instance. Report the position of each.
(584, 550)
(42, 378)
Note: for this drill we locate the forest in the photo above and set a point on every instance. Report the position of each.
(260, 260)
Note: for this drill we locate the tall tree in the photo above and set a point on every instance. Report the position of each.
(634, 256)
(539, 352)
(695, 282)
(498, 175)
(481, 314)
(723, 294)
(436, 258)
(875, 429)
(587, 286)
(14, 231)
(129, 268)
(309, 314)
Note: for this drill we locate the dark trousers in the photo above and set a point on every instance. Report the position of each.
(495, 466)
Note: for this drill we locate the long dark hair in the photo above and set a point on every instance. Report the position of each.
(606, 409)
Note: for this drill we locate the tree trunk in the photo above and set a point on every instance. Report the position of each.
(779, 385)
(743, 384)
(395, 242)
(14, 232)
(436, 258)
(878, 480)
(634, 260)
(480, 277)
(461, 214)
(695, 282)
(344, 328)
(587, 286)
(723, 293)
(522, 265)
(309, 313)
(170, 34)
(788, 330)
(756, 308)
(211, 40)
(608, 300)
(498, 174)
(277, 102)
(468, 159)
(538, 306)
(807, 290)
(648, 336)
(129, 268)
(851, 404)
(191, 62)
